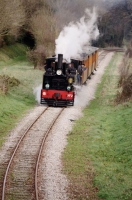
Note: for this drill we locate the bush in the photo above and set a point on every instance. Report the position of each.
(125, 80)
(37, 56)
(6, 82)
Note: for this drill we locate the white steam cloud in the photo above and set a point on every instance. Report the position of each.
(37, 93)
(75, 36)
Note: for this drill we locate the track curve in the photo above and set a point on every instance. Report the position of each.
(15, 182)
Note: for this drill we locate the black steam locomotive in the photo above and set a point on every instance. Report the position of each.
(58, 79)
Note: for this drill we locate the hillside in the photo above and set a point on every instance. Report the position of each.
(17, 82)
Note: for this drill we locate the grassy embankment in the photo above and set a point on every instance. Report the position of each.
(98, 157)
(20, 98)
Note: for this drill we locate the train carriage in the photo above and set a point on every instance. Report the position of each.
(90, 60)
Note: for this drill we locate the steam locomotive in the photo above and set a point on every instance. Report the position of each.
(58, 87)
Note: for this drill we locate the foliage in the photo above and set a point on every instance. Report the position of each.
(115, 23)
(13, 52)
(44, 34)
(37, 56)
(6, 82)
(12, 17)
(125, 80)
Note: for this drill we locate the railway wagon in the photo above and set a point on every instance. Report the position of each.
(90, 59)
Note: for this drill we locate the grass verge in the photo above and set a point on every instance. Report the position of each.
(19, 98)
(98, 157)
(9, 54)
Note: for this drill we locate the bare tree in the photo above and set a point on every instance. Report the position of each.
(125, 80)
(43, 29)
(12, 17)
(47, 22)
(67, 11)
(31, 7)
(72, 10)
(16, 16)
(3, 18)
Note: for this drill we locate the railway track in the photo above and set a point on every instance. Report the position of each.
(117, 49)
(105, 51)
(21, 176)
(102, 55)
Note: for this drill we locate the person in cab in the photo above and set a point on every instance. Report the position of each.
(71, 70)
(81, 68)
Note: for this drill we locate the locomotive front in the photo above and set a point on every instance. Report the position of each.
(57, 87)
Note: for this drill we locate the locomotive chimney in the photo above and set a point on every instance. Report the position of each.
(60, 58)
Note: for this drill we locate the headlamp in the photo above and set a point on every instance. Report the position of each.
(70, 80)
(68, 88)
(47, 86)
(58, 72)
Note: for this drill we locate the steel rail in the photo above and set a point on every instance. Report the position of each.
(14, 152)
(102, 56)
(40, 152)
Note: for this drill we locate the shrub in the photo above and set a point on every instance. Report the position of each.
(125, 80)
(6, 82)
(37, 56)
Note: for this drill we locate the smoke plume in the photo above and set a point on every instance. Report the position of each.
(75, 36)
(37, 93)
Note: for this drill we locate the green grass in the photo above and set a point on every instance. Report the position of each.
(9, 54)
(100, 146)
(20, 98)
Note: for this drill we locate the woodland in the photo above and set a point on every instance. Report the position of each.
(38, 23)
